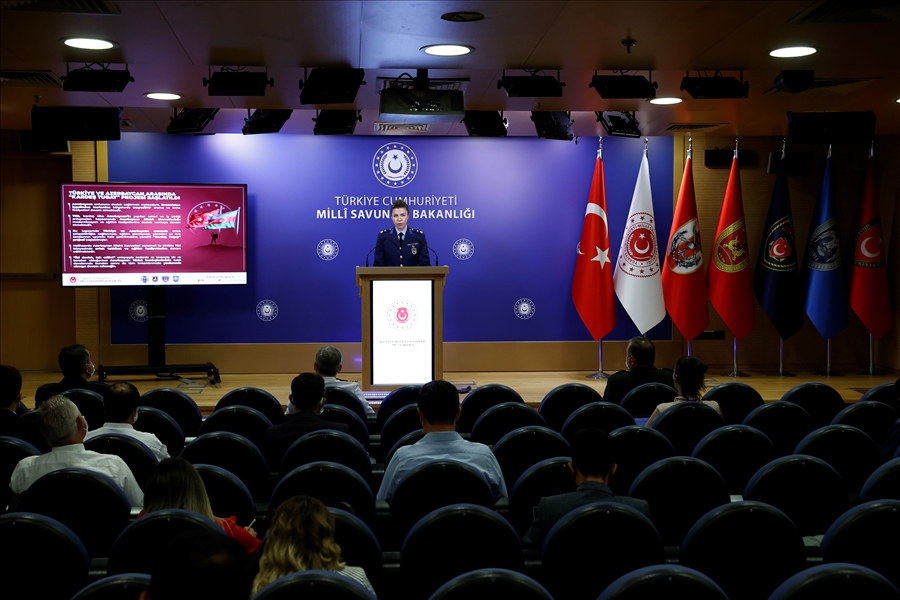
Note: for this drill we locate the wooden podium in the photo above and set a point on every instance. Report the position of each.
(382, 289)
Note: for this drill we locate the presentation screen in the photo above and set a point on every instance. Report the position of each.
(402, 332)
(126, 234)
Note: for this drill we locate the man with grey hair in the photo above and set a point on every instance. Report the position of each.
(328, 364)
(64, 428)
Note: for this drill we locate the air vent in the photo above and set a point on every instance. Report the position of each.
(433, 84)
(126, 125)
(82, 7)
(849, 11)
(694, 127)
(401, 127)
(40, 79)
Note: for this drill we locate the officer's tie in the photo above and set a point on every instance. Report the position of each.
(401, 240)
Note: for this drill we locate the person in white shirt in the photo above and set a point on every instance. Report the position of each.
(65, 429)
(328, 364)
(121, 410)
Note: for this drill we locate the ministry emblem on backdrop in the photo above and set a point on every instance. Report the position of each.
(267, 310)
(395, 165)
(327, 249)
(524, 308)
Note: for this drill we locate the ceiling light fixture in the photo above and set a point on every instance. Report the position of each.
(89, 44)
(447, 49)
(792, 52)
(624, 86)
(163, 96)
(666, 100)
(191, 120)
(531, 86)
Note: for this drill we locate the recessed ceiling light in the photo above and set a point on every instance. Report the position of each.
(666, 100)
(89, 44)
(162, 96)
(446, 49)
(792, 52)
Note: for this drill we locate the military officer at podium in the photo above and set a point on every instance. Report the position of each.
(401, 246)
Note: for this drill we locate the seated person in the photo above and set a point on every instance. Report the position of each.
(77, 369)
(438, 406)
(688, 380)
(11, 425)
(593, 466)
(301, 538)
(639, 369)
(329, 362)
(121, 409)
(175, 483)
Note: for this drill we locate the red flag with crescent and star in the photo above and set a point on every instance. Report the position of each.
(870, 296)
(592, 286)
(728, 280)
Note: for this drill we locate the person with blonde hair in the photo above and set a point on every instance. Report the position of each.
(175, 483)
(301, 538)
(688, 381)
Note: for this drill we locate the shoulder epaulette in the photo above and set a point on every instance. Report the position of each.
(385, 230)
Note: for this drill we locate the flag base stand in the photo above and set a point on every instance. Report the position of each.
(782, 374)
(736, 374)
(598, 375)
(875, 371)
(828, 374)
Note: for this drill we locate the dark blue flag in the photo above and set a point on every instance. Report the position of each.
(776, 281)
(826, 290)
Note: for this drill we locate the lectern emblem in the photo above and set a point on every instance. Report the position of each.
(402, 315)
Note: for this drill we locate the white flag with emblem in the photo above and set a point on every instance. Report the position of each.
(637, 278)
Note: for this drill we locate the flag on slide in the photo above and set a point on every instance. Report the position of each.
(826, 295)
(776, 281)
(869, 293)
(637, 278)
(227, 220)
(683, 279)
(728, 279)
(592, 286)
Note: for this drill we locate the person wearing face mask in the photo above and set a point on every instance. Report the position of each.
(400, 245)
(77, 369)
(639, 369)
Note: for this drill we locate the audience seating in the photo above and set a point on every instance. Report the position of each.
(737, 400)
(407, 440)
(127, 586)
(88, 503)
(177, 405)
(663, 581)
(328, 445)
(636, 448)
(596, 544)
(547, 478)
(44, 560)
(232, 452)
(883, 392)
(140, 546)
(402, 396)
(256, 398)
(747, 548)
(335, 485)
(836, 581)
(454, 540)
(359, 546)
(820, 400)
(871, 417)
(339, 397)
(139, 458)
(851, 452)
(599, 415)
(12, 450)
(563, 400)
(686, 423)
(807, 489)
(679, 490)
(867, 535)
(404, 420)
(883, 483)
(164, 427)
(491, 583)
(239, 419)
(228, 495)
(341, 414)
(518, 450)
(482, 398)
(498, 420)
(642, 400)
(314, 585)
(784, 423)
(90, 404)
(737, 452)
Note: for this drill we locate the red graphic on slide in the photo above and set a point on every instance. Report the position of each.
(402, 315)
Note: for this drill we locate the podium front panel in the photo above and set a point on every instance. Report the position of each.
(402, 322)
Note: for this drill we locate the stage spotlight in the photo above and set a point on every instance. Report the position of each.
(715, 88)
(87, 79)
(191, 120)
(624, 86)
(336, 122)
(485, 123)
(622, 124)
(238, 83)
(531, 86)
(553, 125)
(331, 86)
(266, 121)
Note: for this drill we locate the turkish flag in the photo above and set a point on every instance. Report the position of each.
(869, 293)
(592, 286)
(728, 280)
(683, 277)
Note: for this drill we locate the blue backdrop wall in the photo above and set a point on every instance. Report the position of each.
(514, 206)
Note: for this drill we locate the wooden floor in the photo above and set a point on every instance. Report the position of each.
(531, 385)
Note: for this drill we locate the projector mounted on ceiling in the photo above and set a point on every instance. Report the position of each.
(419, 103)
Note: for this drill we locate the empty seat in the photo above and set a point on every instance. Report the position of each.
(342, 414)
(737, 452)
(663, 581)
(686, 423)
(404, 420)
(837, 581)
(643, 400)
(91, 406)
(884, 483)
(867, 535)
(482, 398)
(578, 570)
(402, 396)
(256, 398)
(232, 452)
(872, 417)
(634, 449)
(333, 484)
(139, 458)
(563, 400)
(820, 400)
(239, 419)
(699, 487)
(597, 415)
(519, 450)
(491, 583)
(748, 548)
(12, 450)
(128, 586)
(805, 488)
(547, 478)
(737, 400)
(784, 423)
(339, 397)
(228, 496)
(177, 405)
(359, 546)
(851, 452)
(498, 420)
(152, 420)
(883, 392)
(314, 585)
(407, 440)
(329, 446)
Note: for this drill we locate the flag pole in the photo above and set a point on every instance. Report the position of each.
(689, 347)
(735, 372)
(871, 355)
(599, 374)
(781, 372)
